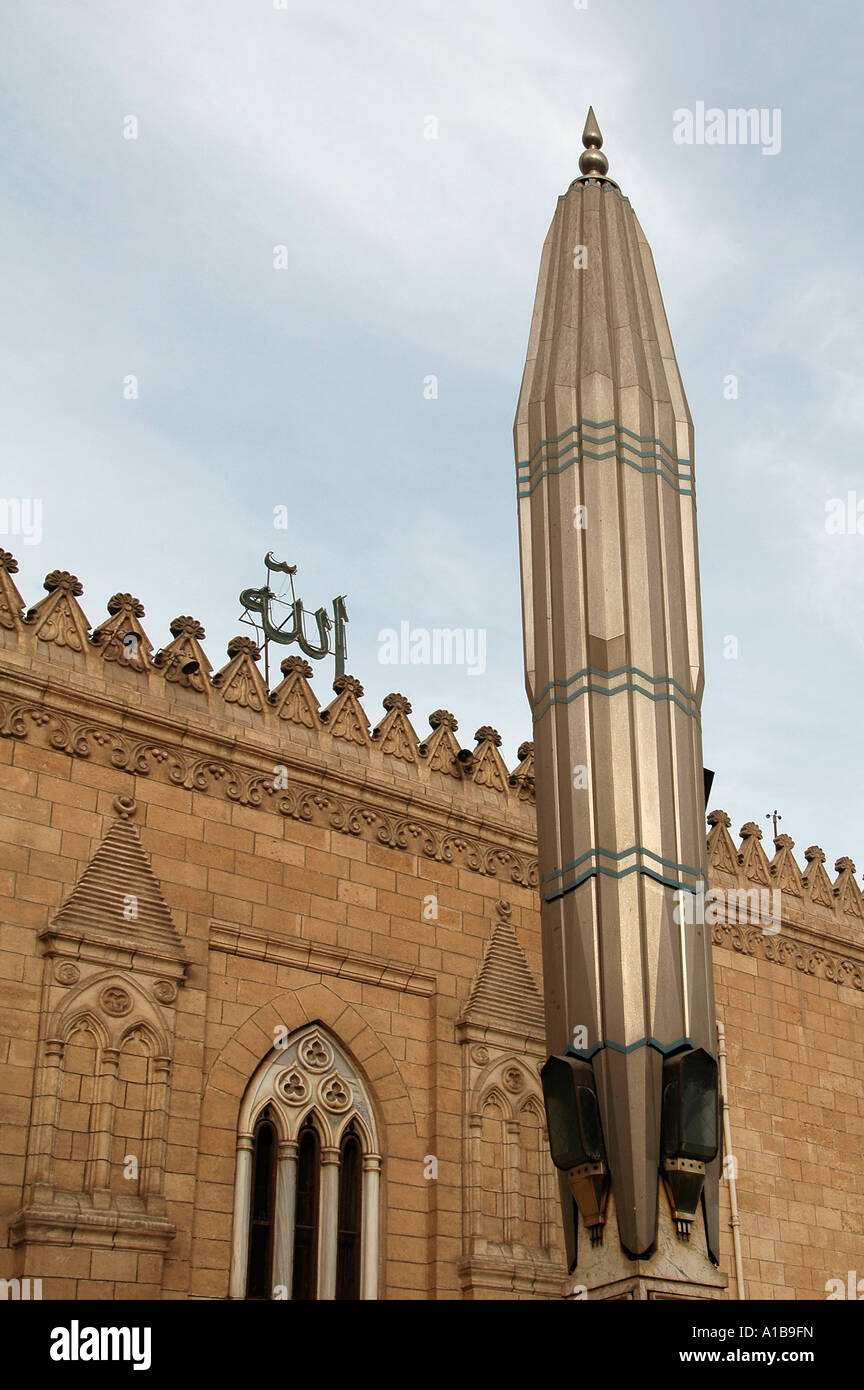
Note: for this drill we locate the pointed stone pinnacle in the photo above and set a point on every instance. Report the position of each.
(592, 162)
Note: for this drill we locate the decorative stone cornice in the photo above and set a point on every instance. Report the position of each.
(61, 1223)
(817, 884)
(253, 784)
(487, 765)
(523, 776)
(294, 700)
(235, 696)
(808, 899)
(809, 956)
(345, 717)
(513, 1277)
(314, 956)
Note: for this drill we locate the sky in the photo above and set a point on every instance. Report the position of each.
(234, 257)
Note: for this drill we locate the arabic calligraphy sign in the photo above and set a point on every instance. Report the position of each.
(259, 604)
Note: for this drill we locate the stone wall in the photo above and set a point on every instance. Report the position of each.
(189, 864)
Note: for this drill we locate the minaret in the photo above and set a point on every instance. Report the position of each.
(613, 660)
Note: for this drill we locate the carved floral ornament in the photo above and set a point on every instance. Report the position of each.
(486, 734)
(125, 603)
(184, 626)
(292, 1084)
(296, 663)
(397, 702)
(244, 646)
(349, 683)
(442, 718)
(316, 1053)
(63, 581)
(115, 1001)
(335, 1094)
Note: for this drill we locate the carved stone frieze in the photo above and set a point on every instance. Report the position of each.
(146, 757)
(809, 958)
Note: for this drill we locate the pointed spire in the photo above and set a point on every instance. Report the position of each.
(593, 164)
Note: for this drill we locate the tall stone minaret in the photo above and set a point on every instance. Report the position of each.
(613, 660)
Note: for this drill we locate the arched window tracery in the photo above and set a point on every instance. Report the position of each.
(322, 1224)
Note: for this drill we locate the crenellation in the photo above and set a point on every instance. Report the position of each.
(117, 664)
(805, 899)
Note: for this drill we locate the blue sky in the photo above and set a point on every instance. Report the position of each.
(262, 388)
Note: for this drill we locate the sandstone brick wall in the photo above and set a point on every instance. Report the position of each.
(283, 920)
(312, 904)
(796, 1096)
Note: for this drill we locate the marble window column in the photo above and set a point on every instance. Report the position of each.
(369, 1226)
(285, 1215)
(328, 1226)
(242, 1209)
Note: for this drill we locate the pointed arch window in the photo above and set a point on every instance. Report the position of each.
(306, 1234)
(350, 1213)
(306, 1208)
(262, 1208)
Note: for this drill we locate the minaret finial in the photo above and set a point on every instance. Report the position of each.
(593, 164)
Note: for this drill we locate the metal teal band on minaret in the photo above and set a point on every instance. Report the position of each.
(613, 666)
(532, 471)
